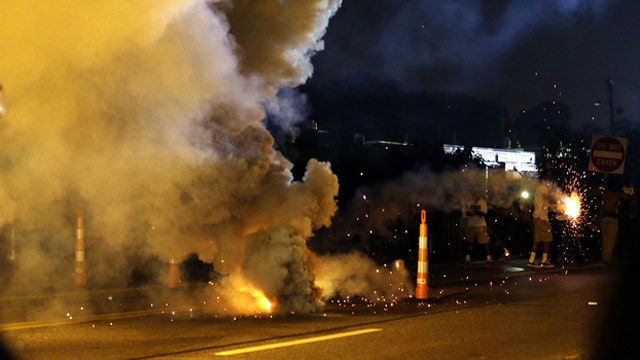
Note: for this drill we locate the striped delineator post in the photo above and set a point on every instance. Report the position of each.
(79, 275)
(173, 279)
(422, 283)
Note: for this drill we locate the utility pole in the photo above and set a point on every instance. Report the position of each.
(610, 84)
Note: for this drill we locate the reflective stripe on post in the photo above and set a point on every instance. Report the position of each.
(79, 275)
(422, 283)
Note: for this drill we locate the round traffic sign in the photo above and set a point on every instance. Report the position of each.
(607, 154)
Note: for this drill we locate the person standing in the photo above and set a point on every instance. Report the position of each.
(610, 208)
(542, 235)
(627, 219)
(522, 235)
(475, 225)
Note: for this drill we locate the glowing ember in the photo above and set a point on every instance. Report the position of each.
(399, 264)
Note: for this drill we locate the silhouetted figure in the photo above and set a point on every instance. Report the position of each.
(474, 211)
(542, 234)
(611, 200)
(628, 218)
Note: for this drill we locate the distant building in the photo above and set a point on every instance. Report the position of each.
(513, 159)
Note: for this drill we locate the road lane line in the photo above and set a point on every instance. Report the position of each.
(295, 342)
(78, 320)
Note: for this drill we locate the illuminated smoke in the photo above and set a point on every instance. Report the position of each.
(146, 117)
(389, 210)
(3, 109)
(349, 275)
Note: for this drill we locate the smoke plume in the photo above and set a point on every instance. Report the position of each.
(146, 118)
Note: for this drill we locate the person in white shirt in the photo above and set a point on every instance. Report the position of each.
(542, 235)
(474, 211)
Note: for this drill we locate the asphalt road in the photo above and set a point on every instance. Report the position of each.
(502, 311)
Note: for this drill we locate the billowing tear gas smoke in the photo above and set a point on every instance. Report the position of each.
(390, 210)
(146, 118)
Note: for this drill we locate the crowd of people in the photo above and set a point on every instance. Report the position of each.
(536, 223)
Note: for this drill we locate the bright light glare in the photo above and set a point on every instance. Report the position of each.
(263, 303)
(399, 264)
(266, 305)
(248, 299)
(524, 194)
(572, 205)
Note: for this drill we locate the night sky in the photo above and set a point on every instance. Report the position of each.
(517, 52)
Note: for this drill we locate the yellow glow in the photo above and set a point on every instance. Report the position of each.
(262, 302)
(247, 298)
(266, 305)
(572, 205)
(238, 296)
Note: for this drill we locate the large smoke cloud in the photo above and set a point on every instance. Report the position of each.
(146, 118)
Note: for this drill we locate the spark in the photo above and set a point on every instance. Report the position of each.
(572, 205)
(399, 264)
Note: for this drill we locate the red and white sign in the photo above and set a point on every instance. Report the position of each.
(608, 154)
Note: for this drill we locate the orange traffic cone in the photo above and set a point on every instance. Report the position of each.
(79, 275)
(422, 283)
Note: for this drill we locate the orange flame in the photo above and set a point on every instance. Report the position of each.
(244, 298)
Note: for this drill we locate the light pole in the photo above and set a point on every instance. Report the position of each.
(610, 84)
